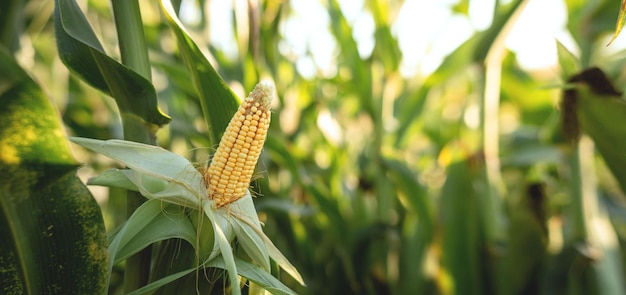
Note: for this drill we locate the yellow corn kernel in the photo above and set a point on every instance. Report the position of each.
(230, 172)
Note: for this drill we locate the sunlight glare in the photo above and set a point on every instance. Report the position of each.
(427, 31)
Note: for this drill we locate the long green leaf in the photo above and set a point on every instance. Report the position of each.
(386, 47)
(526, 248)
(362, 74)
(52, 237)
(414, 197)
(153, 286)
(460, 227)
(82, 53)
(218, 101)
(156, 172)
(225, 249)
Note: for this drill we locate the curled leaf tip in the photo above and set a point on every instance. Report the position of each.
(620, 22)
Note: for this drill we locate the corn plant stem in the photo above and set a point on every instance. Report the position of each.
(11, 24)
(580, 183)
(133, 48)
(493, 184)
(492, 192)
(134, 54)
(383, 186)
(493, 188)
(584, 199)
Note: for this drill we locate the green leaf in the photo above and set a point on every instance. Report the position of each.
(148, 159)
(114, 178)
(386, 47)
(256, 275)
(531, 154)
(82, 53)
(526, 246)
(223, 242)
(245, 269)
(567, 61)
(153, 286)
(414, 195)
(598, 105)
(156, 172)
(609, 270)
(218, 101)
(52, 237)
(256, 244)
(460, 228)
(361, 73)
(153, 221)
(248, 227)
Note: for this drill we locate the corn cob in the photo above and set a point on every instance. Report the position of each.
(230, 171)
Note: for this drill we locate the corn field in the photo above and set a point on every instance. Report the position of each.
(472, 174)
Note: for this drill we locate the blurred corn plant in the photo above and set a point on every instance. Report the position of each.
(481, 177)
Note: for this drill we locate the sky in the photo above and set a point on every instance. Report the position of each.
(426, 31)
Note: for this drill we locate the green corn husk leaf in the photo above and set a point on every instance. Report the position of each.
(114, 178)
(249, 238)
(155, 171)
(52, 235)
(164, 176)
(149, 186)
(252, 235)
(81, 52)
(224, 247)
(256, 275)
(245, 269)
(153, 221)
(218, 101)
(154, 286)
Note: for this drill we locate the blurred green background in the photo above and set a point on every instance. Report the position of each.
(410, 151)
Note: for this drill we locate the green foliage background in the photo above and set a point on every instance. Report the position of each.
(408, 199)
